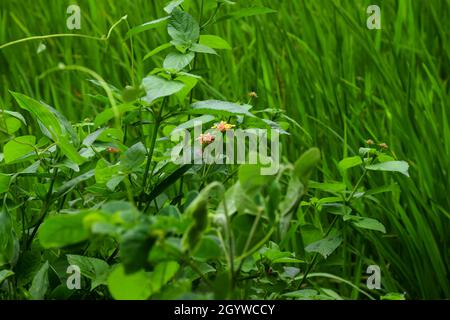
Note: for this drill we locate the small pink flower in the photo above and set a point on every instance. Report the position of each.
(223, 126)
(206, 138)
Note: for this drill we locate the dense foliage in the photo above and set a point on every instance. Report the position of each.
(86, 137)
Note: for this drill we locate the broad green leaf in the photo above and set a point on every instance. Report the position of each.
(393, 296)
(14, 114)
(8, 242)
(182, 27)
(4, 274)
(69, 185)
(191, 123)
(18, 147)
(40, 283)
(134, 156)
(157, 50)
(63, 230)
(111, 135)
(395, 166)
(326, 246)
(4, 182)
(162, 274)
(53, 125)
(104, 171)
(307, 162)
(95, 269)
(303, 294)
(223, 108)
(208, 248)
(134, 248)
(251, 179)
(108, 114)
(214, 42)
(189, 84)
(41, 112)
(148, 26)
(157, 87)
(172, 5)
(368, 223)
(246, 12)
(90, 139)
(69, 150)
(329, 186)
(178, 60)
(349, 162)
(135, 286)
(201, 48)
(11, 121)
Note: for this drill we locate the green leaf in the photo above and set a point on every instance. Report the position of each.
(393, 296)
(69, 185)
(182, 27)
(11, 121)
(326, 246)
(222, 108)
(69, 150)
(178, 60)
(201, 48)
(368, 223)
(8, 242)
(162, 274)
(395, 166)
(40, 283)
(62, 230)
(41, 112)
(208, 248)
(90, 139)
(108, 114)
(53, 125)
(148, 26)
(157, 87)
(251, 179)
(135, 286)
(134, 156)
(303, 294)
(18, 147)
(349, 162)
(307, 162)
(172, 5)
(214, 42)
(157, 50)
(246, 12)
(191, 123)
(4, 274)
(5, 179)
(329, 187)
(134, 248)
(95, 269)
(111, 135)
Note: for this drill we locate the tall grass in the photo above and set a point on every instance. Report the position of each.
(317, 61)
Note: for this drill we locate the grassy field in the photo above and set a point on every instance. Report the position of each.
(316, 61)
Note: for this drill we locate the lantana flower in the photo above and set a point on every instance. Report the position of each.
(223, 126)
(206, 138)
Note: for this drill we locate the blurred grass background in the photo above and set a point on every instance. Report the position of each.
(317, 61)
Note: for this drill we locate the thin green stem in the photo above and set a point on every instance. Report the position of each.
(63, 35)
(154, 135)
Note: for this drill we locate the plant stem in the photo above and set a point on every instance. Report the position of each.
(44, 209)
(157, 122)
(316, 255)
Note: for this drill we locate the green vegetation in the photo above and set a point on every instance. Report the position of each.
(86, 177)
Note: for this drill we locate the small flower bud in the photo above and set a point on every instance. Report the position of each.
(252, 94)
(383, 146)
